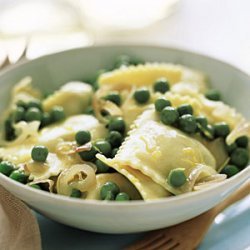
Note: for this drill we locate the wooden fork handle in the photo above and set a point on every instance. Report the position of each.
(242, 192)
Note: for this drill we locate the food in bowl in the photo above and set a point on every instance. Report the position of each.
(138, 131)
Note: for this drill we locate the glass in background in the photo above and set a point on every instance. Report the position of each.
(112, 20)
(47, 26)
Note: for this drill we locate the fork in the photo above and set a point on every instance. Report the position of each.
(189, 234)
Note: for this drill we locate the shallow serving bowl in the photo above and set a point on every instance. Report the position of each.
(51, 71)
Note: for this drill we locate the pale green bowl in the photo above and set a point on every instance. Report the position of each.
(49, 72)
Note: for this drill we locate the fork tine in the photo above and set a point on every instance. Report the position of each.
(179, 246)
(23, 54)
(142, 244)
(173, 245)
(163, 243)
(156, 244)
(5, 62)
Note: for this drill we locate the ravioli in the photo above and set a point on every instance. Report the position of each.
(74, 97)
(146, 75)
(20, 155)
(53, 137)
(65, 131)
(217, 149)
(121, 181)
(214, 111)
(131, 110)
(53, 166)
(155, 149)
(17, 154)
(127, 79)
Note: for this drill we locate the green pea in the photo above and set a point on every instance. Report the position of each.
(101, 166)
(185, 109)
(93, 80)
(242, 141)
(9, 131)
(240, 157)
(136, 61)
(230, 170)
(6, 168)
(177, 177)
(187, 123)
(57, 113)
(103, 147)
(123, 60)
(122, 197)
(88, 155)
(117, 124)
(115, 138)
(82, 137)
(114, 97)
(18, 114)
(100, 72)
(19, 175)
(213, 95)
(161, 85)
(230, 148)
(35, 186)
(109, 187)
(141, 95)
(114, 152)
(161, 103)
(33, 114)
(89, 111)
(76, 193)
(110, 196)
(202, 120)
(207, 132)
(105, 113)
(21, 103)
(169, 115)
(46, 119)
(39, 153)
(35, 104)
(95, 85)
(47, 93)
(221, 129)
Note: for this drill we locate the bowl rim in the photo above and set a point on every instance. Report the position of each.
(123, 45)
(170, 199)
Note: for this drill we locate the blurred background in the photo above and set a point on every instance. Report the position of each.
(37, 27)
